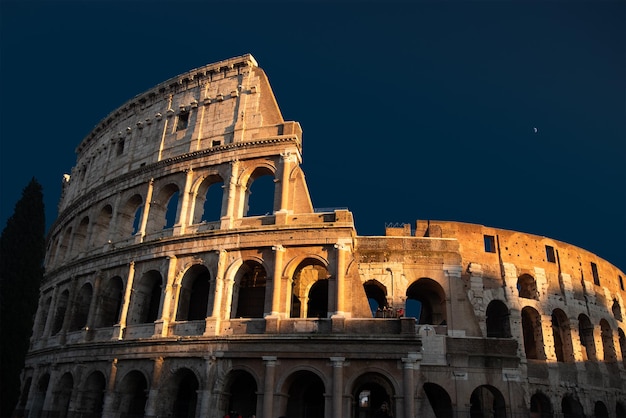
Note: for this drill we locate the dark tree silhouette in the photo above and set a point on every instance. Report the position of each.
(22, 249)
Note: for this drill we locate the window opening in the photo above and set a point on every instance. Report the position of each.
(490, 244)
(594, 271)
(550, 254)
(183, 121)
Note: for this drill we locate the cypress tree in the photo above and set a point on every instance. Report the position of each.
(22, 250)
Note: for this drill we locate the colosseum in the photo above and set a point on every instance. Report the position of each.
(170, 291)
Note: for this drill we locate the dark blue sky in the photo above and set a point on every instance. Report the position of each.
(421, 110)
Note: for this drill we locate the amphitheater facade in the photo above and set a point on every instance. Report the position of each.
(171, 291)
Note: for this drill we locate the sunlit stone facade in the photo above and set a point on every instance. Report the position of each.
(189, 273)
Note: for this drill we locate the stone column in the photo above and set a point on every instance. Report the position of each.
(279, 252)
(153, 393)
(342, 247)
(169, 297)
(126, 304)
(51, 312)
(232, 196)
(268, 386)
(408, 366)
(91, 316)
(213, 320)
(205, 393)
(146, 211)
(337, 395)
(287, 159)
(186, 218)
(548, 339)
(109, 408)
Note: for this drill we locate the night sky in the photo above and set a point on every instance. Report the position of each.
(420, 110)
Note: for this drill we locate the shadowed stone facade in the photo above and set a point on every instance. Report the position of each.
(172, 289)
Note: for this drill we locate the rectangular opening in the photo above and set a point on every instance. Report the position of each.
(594, 271)
(183, 121)
(490, 243)
(550, 254)
(216, 143)
(120, 147)
(621, 282)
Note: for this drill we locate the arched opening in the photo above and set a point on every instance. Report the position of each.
(100, 231)
(63, 394)
(607, 341)
(110, 299)
(487, 402)
(497, 319)
(209, 200)
(617, 310)
(309, 272)
(431, 300)
(376, 296)
(620, 410)
(305, 396)
(79, 242)
(370, 392)
(240, 393)
(81, 307)
(92, 400)
(59, 315)
(600, 410)
(39, 397)
(43, 316)
(622, 344)
(571, 407)
(146, 299)
(261, 182)
(540, 406)
(585, 330)
(163, 209)
(64, 245)
(527, 287)
(186, 389)
(249, 292)
(439, 400)
(563, 348)
(194, 294)
(133, 394)
(533, 334)
(129, 217)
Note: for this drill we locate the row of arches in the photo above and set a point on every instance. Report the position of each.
(163, 206)
(184, 393)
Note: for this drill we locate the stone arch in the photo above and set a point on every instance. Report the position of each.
(164, 208)
(240, 393)
(209, 199)
(79, 240)
(616, 309)
(39, 397)
(376, 294)
(600, 410)
(92, 399)
(305, 391)
(249, 290)
(561, 331)
(129, 217)
(145, 302)
(540, 406)
(59, 314)
(585, 330)
(193, 299)
(180, 394)
(132, 393)
(309, 271)
(263, 177)
(622, 344)
(497, 319)
(571, 407)
(82, 304)
(370, 390)
(110, 302)
(487, 401)
(101, 225)
(426, 301)
(64, 245)
(533, 334)
(43, 315)
(63, 394)
(439, 400)
(608, 345)
(527, 287)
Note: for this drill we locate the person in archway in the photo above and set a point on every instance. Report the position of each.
(383, 412)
